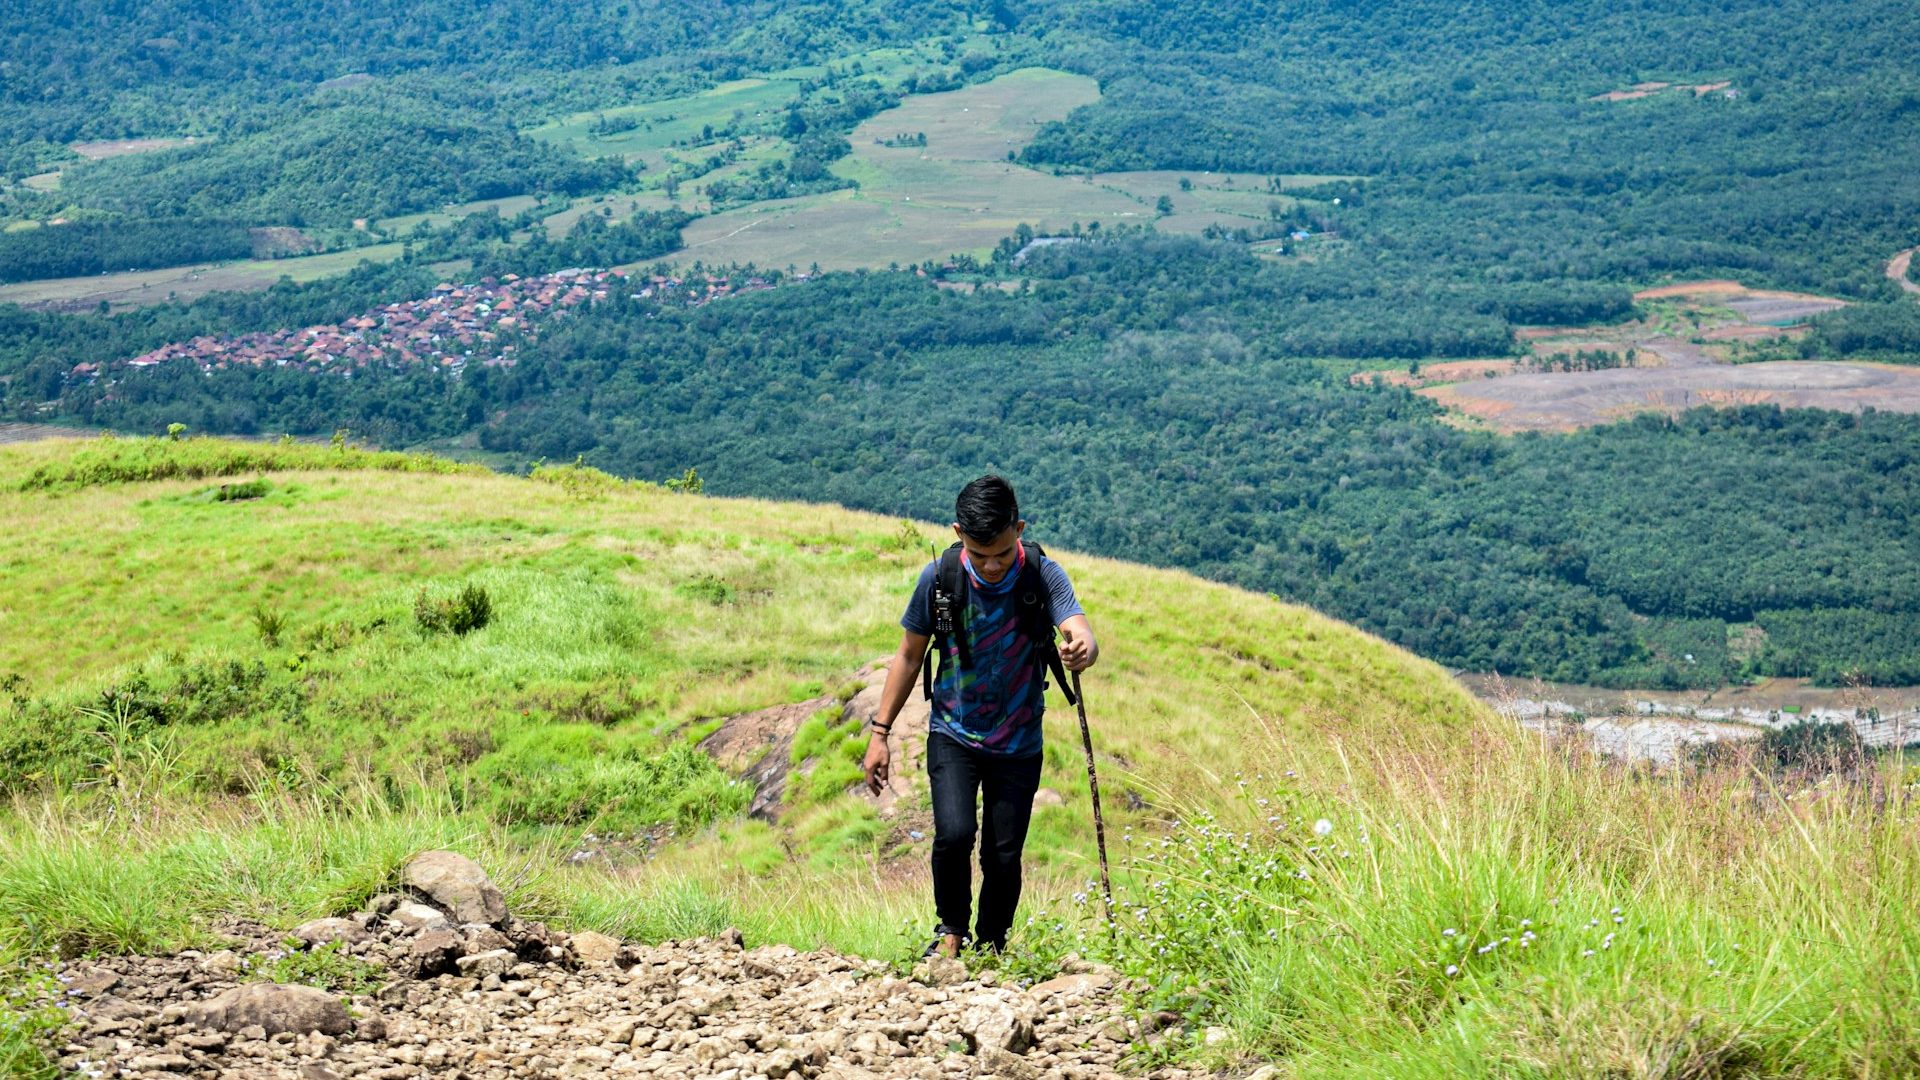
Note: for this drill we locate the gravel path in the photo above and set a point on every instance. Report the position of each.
(511, 999)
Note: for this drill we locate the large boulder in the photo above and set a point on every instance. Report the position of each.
(275, 1007)
(458, 885)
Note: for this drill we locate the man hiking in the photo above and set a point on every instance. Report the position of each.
(989, 607)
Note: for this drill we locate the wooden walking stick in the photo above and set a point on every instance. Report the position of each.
(1093, 785)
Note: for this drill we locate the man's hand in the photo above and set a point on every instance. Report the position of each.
(1077, 649)
(878, 763)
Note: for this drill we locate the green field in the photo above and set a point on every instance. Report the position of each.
(505, 207)
(137, 288)
(673, 121)
(960, 193)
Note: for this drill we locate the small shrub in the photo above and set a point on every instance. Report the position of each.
(574, 775)
(462, 613)
(906, 538)
(1809, 747)
(333, 636)
(329, 967)
(269, 624)
(687, 483)
(579, 480)
(707, 587)
(250, 489)
(28, 1024)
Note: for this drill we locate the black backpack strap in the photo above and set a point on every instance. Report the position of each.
(1036, 613)
(947, 610)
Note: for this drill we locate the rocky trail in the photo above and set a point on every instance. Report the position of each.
(449, 984)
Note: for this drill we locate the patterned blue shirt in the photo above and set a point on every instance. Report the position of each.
(995, 705)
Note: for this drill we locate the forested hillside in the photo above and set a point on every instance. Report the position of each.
(336, 162)
(1152, 405)
(1489, 151)
(102, 70)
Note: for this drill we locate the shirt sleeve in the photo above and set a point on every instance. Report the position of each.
(916, 620)
(1060, 590)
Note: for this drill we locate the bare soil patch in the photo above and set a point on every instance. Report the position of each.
(1649, 89)
(1752, 333)
(1673, 353)
(1721, 288)
(1782, 309)
(1434, 374)
(1567, 401)
(107, 148)
(276, 240)
(22, 433)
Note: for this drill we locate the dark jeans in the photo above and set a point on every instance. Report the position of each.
(958, 775)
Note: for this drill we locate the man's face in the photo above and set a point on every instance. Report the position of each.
(993, 558)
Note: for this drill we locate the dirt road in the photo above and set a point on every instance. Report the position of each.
(1897, 270)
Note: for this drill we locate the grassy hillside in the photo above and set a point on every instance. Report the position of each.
(233, 705)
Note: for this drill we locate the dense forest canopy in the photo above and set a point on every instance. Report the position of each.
(98, 69)
(1488, 151)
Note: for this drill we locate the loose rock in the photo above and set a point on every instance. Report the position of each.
(534, 1003)
(593, 948)
(273, 1008)
(324, 931)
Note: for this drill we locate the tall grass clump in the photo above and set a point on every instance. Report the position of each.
(115, 460)
(1507, 908)
(78, 876)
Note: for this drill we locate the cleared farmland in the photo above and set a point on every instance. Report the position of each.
(657, 125)
(1679, 353)
(960, 193)
(141, 287)
(1564, 401)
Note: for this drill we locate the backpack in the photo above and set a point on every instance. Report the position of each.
(948, 602)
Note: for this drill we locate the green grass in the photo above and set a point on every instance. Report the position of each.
(673, 121)
(135, 288)
(169, 764)
(1496, 908)
(959, 193)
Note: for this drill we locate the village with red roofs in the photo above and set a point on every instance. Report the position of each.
(453, 327)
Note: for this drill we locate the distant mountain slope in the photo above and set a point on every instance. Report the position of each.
(96, 66)
(1496, 149)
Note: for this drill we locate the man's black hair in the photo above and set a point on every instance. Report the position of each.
(986, 508)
